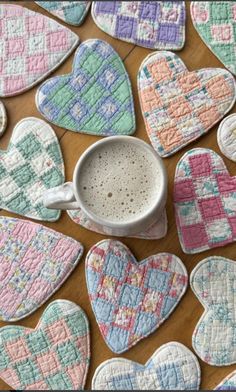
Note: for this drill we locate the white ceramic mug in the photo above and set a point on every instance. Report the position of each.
(68, 196)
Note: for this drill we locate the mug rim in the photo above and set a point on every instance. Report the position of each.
(150, 212)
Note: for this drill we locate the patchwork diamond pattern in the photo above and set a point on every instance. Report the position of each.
(32, 46)
(152, 24)
(127, 303)
(31, 360)
(71, 12)
(31, 164)
(205, 201)
(179, 106)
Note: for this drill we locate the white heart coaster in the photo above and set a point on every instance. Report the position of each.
(226, 137)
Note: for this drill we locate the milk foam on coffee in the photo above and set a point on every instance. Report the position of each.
(119, 182)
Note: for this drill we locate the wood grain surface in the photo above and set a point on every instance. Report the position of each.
(180, 325)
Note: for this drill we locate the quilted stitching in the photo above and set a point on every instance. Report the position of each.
(228, 384)
(129, 299)
(95, 99)
(156, 231)
(213, 282)
(179, 106)
(226, 137)
(205, 201)
(3, 118)
(171, 367)
(32, 46)
(152, 24)
(53, 356)
(71, 12)
(215, 22)
(31, 164)
(35, 261)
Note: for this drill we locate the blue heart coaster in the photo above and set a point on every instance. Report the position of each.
(96, 98)
(71, 12)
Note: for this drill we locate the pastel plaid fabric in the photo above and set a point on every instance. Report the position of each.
(71, 12)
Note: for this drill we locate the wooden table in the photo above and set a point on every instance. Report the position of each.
(180, 325)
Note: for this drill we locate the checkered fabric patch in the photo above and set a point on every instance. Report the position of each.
(215, 22)
(179, 106)
(152, 24)
(130, 299)
(71, 12)
(228, 384)
(96, 98)
(213, 281)
(172, 367)
(35, 261)
(205, 201)
(156, 231)
(32, 46)
(55, 355)
(32, 163)
(3, 118)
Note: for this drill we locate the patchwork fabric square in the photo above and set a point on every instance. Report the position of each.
(152, 24)
(71, 12)
(206, 213)
(57, 365)
(32, 46)
(133, 299)
(179, 106)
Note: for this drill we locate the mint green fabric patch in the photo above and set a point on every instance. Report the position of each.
(71, 12)
(96, 98)
(32, 163)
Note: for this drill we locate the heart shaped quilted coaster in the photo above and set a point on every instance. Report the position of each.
(215, 22)
(35, 261)
(205, 201)
(32, 46)
(156, 231)
(131, 300)
(3, 118)
(71, 12)
(55, 355)
(226, 137)
(228, 384)
(179, 106)
(32, 163)
(172, 366)
(96, 98)
(152, 24)
(213, 281)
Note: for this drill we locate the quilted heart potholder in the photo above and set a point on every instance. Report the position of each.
(226, 137)
(172, 366)
(215, 22)
(213, 281)
(205, 201)
(152, 24)
(131, 299)
(34, 263)
(3, 118)
(156, 231)
(96, 98)
(32, 46)
(32, 163)
(228, 384)
(179, 106)
(71, 12)
(53, 356)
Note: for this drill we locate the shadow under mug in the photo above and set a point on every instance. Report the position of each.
(68, 195)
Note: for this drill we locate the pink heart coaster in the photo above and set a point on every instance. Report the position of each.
(32, 46)
(34, 262)
(131, 299)
(155, 232)
(205, 201)
(179, 106)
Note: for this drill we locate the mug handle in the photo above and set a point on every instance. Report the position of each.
(61, 197)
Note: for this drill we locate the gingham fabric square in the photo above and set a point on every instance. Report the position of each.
(32, 164)
(205, 201)
(172, 367)
(213, 282)
(31, 47)
(228, 384)
(71, 12)
(152, 24)
(130, 299)
(31, 359)
(215, 22)
(179, 106)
